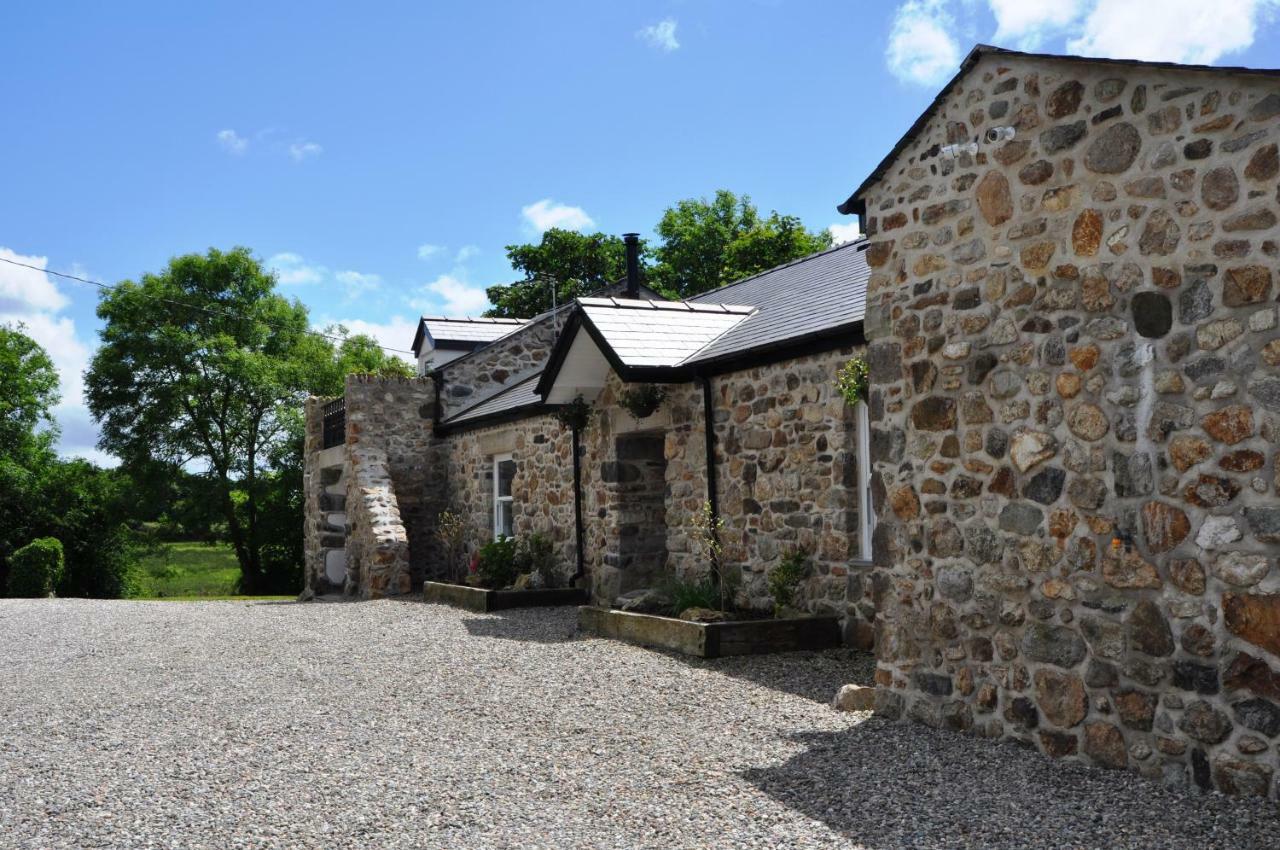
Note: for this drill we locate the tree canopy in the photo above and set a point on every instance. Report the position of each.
(573, 264)
(702, 244)
(28, 389)
(204, 366)
(710, 243)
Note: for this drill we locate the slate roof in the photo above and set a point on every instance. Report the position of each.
(462, 332)
(854, 205)
(518, 395)
(801, 299)
(642, 332)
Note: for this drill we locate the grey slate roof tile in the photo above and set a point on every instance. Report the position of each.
(804, 297)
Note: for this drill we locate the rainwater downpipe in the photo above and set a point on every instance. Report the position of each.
(577, 505)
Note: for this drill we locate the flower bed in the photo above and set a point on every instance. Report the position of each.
(482, 600)
(712, 640)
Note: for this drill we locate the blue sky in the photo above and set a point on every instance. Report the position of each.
(380, 155)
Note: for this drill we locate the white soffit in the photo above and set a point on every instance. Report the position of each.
(582, 373)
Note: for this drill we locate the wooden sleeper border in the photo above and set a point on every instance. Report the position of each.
(712, 640)
(483, 601)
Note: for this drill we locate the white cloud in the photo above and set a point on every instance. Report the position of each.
(26, 290)
(1170, 31)
(1027, 23)
(466, 252)
(842, 233)
(452, 296)
(426, 251)
(661, 36)
(232, 142)
(397, 332)
(921, 47)
(301, 150)
(30, 299)
(546, 214)
(358, 283)
(292, 270)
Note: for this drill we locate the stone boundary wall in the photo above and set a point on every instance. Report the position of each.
(1074, 355)
(396, 416)
(317, 535)
(378, 561)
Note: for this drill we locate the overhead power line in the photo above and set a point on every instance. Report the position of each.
(224, 313)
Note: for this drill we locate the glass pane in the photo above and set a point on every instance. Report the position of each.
(506, 472)
(505, 525)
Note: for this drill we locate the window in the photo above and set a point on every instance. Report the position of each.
(866, 517)
(504, 471)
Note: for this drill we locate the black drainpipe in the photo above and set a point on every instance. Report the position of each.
(577, 507)
(709, 429)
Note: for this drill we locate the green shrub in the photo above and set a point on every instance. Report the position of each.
(536, 555)
(496, 567)
(785, 578)
(36, 569)
(691, 593)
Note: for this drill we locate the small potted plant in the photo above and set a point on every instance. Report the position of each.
(575, 415)
(853, 381)
(642, 400)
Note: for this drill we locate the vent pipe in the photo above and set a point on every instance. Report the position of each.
(632, 241)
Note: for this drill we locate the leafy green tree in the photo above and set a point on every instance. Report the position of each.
(36, 568)
(42, 496)
(710, 243)
(28, 392)
(571, 263)
(201, 365)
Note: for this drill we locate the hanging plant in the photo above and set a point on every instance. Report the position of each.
(853, 382)
(642, 400)
(575, 415)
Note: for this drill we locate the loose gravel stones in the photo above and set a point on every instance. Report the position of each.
(397, 724)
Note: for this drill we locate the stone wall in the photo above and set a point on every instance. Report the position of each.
(395, 416)
(378, 548)
(1074, 351)
(786, 463)
(542, 490)
(500, 364)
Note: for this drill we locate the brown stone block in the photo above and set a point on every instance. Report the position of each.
(1229, 425)
(1252, 674)
(1104, 743)
(1246, 285)
(1254, 617)
(1086, 233)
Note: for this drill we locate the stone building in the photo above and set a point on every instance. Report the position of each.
(477, 436)
(1067, 473)
(1075, 412)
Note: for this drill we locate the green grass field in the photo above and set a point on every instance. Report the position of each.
(184, 571)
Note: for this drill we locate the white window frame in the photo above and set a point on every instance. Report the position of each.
(498, 460)
(866, 517)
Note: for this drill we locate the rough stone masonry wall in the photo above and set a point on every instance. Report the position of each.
(1073, 340)
(542, 489)
(378, 555)
(786, 462)
(395, 416)
(500, 364)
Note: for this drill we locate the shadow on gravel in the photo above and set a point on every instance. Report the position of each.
(889, 786)
(810, 675)
(526, 624)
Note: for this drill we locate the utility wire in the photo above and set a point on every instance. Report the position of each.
(224, 313)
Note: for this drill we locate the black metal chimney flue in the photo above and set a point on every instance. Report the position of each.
(632, 241)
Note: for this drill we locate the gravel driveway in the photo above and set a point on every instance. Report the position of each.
(398, 724)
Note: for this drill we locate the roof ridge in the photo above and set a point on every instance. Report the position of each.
(797, 261)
